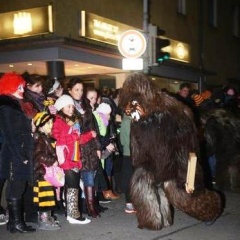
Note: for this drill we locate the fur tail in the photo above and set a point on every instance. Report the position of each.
(204, 205)
(150, 202)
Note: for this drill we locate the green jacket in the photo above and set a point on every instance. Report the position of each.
(125, 134)
(101, 126)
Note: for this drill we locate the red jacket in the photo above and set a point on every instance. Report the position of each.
(64, 135)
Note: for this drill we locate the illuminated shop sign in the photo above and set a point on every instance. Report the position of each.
(178, 51)
(100, 28)
(27, 22)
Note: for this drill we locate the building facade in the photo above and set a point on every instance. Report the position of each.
(211, 29)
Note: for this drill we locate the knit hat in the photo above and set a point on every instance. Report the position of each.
(206, 94)
(63, 101)
(41, 118)
(104, 108)
(197, 99)
(9, 83)
(54, 87)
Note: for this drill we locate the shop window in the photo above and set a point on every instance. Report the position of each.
(236, 21)
(212, 16)
(107, 84)
(181, 8)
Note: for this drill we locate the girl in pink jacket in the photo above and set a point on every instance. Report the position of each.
(66, 131)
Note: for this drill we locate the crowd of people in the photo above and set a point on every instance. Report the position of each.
(45, 125)
(216, 113)
(220, 97)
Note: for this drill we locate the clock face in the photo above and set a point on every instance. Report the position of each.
(132, 44)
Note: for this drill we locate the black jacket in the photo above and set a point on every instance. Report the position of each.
(17, 146)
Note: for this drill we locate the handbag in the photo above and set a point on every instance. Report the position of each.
(100, 180)
(55, 176)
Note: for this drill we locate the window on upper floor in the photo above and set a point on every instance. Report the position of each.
(236, 21)
(182, 7)
(212, 8)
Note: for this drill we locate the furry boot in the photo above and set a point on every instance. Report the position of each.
(153, 210)
(46, 222)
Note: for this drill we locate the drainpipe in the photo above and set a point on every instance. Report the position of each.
(145, 32)
(201, 45)
(145, 16)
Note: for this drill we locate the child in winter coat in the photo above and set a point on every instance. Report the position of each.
(66, 131)
(44, 155)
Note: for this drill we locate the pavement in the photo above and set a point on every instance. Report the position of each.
(115, 224)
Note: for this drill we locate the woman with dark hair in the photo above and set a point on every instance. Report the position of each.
(16, 154)
(92, 95)
(91, 152)
(34, 91)
(34, 99)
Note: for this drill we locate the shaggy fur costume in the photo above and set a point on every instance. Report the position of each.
(161, 141)
(222, 135)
